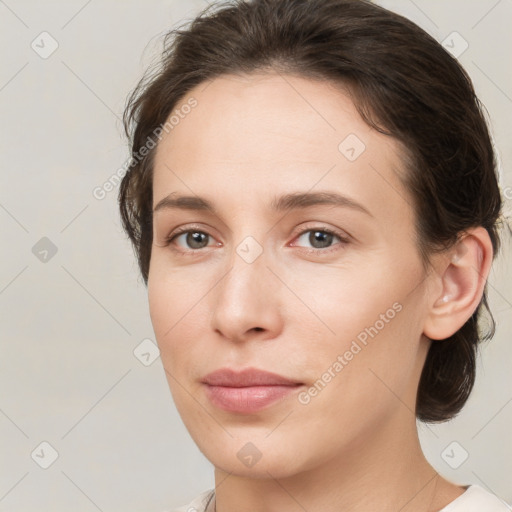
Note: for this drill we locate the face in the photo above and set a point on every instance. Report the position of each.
(276, 274)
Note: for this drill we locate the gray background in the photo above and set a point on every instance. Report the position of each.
(72, 320)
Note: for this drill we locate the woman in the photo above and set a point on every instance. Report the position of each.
(314, 206)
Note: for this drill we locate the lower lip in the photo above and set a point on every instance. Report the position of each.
(248, 399)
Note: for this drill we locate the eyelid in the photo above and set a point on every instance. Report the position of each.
(343, 236)
(168, 241)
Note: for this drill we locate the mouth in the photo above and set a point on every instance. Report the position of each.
(247, 391)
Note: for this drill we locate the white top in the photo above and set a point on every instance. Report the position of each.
(474, 499)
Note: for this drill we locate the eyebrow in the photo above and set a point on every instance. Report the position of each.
(287, 202)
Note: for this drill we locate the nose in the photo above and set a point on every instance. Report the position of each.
(246, 301)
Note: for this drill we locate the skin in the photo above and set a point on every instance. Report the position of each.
(354, 446)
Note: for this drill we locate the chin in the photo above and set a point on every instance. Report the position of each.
(255, 457)
(261, 470)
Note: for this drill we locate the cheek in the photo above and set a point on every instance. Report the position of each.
(173, 293)
(173, 310)
(359, 385)
(179, 310)
(346, 299)
(370, 328)
(174, 305)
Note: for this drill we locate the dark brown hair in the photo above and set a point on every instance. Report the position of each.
(403, 83)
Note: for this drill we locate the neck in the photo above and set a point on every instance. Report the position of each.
(385, 471)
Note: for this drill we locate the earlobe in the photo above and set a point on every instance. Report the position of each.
(462, 281)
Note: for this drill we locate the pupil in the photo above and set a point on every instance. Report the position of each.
(325, 239)
(195, 238)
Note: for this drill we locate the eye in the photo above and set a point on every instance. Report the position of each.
(321, 239)
(191, 240)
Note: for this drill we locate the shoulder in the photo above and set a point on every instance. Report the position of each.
(477, 499)
(202, 503)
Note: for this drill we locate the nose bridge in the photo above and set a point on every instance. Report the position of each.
(248, 276)
(245, 297)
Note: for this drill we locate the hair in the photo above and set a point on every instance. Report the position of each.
(403, 83)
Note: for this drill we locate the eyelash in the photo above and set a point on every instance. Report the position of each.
(191, 229)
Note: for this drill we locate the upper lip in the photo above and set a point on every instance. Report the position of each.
(245, 378)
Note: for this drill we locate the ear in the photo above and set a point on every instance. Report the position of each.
(459, 282)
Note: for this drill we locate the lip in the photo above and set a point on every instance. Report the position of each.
(247, 391)
(245, 378)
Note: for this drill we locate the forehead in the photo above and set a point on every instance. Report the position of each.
(286, 115)
(268, 132)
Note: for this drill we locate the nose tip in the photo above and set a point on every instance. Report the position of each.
(245, 303)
